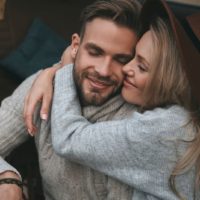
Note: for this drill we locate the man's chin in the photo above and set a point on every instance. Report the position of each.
(93, 100)
(95, 97)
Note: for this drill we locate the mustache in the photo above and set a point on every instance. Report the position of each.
(95, 76)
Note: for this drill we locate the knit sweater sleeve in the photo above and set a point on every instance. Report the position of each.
(12, 127)
(140, 151)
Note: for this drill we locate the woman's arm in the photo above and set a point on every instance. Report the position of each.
(135, 151)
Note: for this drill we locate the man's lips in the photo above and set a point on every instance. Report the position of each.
(98, 84)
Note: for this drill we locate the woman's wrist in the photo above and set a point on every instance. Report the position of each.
(57, 66)
(51, 71)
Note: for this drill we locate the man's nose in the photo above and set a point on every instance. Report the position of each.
(104, 68)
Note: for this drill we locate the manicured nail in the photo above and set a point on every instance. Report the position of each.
(30, 132)
(44, 116)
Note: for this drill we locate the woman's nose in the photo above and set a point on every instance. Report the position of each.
(128, 69)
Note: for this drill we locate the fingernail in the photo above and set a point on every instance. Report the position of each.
(30, 132)
(44, 116)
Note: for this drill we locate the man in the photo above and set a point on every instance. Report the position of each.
(107, 40)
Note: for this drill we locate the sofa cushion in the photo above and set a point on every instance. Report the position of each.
(41, 48)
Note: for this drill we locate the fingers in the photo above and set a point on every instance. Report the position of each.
(68, 56)
(29, 108)
(41, 91)
(46, 104)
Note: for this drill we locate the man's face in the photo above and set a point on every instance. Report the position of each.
(104, 49)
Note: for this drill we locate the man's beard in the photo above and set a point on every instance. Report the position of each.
(94, 98)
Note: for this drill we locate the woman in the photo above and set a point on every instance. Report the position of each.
(156, 144)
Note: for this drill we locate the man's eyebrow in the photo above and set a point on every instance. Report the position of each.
(94, 46)
(91, 45)
(127, 56)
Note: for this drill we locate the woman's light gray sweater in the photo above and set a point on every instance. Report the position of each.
(140, 151)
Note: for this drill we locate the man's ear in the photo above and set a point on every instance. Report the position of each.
(75, 44)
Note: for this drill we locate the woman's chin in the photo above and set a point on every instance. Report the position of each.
(129, 98)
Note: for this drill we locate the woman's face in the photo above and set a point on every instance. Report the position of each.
(137, 71)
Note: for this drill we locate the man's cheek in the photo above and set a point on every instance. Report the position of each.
(85, 87)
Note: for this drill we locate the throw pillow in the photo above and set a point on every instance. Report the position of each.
(41, 48)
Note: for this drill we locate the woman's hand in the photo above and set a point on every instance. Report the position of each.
(42, 91)
(68, 56)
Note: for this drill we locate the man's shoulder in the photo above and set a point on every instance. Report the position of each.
(15, 102)
(65, 69)
(26, 84)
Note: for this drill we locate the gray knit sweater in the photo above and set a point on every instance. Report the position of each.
(62, 179)
(140, 151)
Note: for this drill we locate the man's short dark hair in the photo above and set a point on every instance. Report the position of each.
(122, 12)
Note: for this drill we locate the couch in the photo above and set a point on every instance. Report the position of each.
(62, 17)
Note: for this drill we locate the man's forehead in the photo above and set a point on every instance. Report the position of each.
(99, 21)
(106, 32)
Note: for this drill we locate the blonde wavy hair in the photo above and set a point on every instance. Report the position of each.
(168, 84)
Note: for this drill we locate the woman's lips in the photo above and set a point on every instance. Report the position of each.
(128, 83)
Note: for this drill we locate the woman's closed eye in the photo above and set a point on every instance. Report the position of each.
(142, 67)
